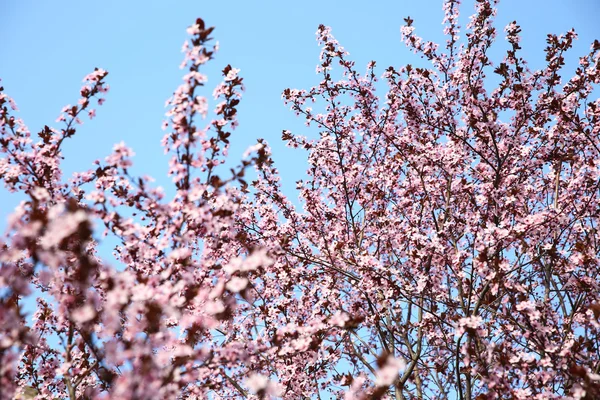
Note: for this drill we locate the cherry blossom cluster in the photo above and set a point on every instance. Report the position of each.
(445, 226)
(154, 326)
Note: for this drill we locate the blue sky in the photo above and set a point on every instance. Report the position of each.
(48, 47)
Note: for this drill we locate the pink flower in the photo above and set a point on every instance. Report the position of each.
(236, 284)
(257, 382)
(252, 149)
(193, 30)
(84, 314)
(261, 383)
(61, 227)
(232, 74)
(40, 193)
(387, 374)
(214, 307)
(472, 322)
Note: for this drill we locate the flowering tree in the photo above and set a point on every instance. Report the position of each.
(448, 226)
(446, 248)
(154, 328)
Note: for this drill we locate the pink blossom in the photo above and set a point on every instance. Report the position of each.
(232, 74)
(252, 149)
(237, 284)
(387, 374)
(84, 314)
(257, 382)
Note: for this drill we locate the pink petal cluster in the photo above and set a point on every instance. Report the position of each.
(444, 242)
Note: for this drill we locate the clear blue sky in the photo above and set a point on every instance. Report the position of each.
(48, 46)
